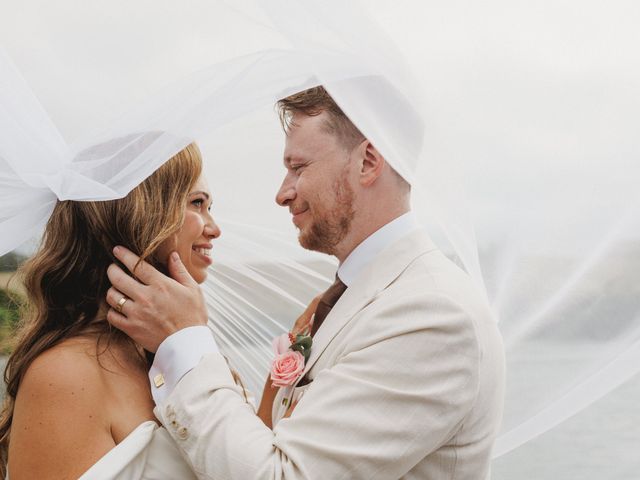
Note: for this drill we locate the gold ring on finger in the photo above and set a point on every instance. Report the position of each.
(121, 303)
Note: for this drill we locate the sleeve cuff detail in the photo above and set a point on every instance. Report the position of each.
(176, 356)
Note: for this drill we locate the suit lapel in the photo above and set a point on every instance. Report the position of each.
(374, 278)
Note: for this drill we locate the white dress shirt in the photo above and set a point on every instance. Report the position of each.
(182, 351)
(371, 246)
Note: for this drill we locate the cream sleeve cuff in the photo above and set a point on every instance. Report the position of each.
(176, 356)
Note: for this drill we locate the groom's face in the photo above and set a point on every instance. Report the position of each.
(317, 186)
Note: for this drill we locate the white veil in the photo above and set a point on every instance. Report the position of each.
(514, 125)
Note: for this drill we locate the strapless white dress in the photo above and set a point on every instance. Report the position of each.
(147, 453)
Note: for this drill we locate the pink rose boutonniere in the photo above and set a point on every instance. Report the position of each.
(291, 353)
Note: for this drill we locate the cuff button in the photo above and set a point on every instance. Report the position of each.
(158, 380)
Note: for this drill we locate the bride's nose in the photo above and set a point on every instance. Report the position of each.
(211, 229)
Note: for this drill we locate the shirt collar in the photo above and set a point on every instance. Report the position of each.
(364, 253)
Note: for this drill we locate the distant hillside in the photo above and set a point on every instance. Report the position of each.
(11, 261)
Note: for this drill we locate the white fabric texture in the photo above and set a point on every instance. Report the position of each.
(514, 123)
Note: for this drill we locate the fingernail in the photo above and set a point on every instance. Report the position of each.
(174, 257)
(116, 250)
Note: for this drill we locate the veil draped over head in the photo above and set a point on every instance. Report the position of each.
(513, 123)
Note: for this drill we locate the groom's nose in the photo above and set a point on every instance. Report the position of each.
(287, 192)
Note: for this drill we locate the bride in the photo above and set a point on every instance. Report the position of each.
(78, 400)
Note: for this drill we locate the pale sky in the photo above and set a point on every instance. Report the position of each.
(522, 94)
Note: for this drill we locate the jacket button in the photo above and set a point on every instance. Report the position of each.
(182, 433)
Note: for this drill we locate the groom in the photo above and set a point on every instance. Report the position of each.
(406, 373)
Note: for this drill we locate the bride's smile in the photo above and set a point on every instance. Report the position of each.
(193, 240)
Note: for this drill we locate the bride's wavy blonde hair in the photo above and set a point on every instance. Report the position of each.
(66, 280)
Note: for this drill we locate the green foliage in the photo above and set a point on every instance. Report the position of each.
(303, 345)
(9, 317)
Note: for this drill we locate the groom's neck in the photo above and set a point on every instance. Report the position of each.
(365, 225)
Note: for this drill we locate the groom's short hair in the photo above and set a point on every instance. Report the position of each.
(314, 101)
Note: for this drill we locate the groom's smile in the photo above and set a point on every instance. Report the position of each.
(298, 215)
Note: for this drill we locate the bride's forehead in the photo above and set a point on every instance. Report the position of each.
(201, 185)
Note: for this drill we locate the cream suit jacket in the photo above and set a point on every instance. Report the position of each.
(407, 382)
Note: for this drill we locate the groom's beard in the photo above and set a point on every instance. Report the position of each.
(330, 227)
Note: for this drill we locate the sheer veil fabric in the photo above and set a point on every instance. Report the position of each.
(514, 125)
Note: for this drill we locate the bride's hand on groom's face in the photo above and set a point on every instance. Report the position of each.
(156, 306)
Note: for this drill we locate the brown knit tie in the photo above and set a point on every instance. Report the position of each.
(327, 301)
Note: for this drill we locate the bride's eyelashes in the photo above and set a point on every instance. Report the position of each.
(199, 202)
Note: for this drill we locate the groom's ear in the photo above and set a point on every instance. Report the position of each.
(371, 163)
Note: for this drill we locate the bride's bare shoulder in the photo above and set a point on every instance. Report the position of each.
(72, 378)
(87, 372)
(78, 364)
(76, 401)
(60, 412)
(68, 368)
